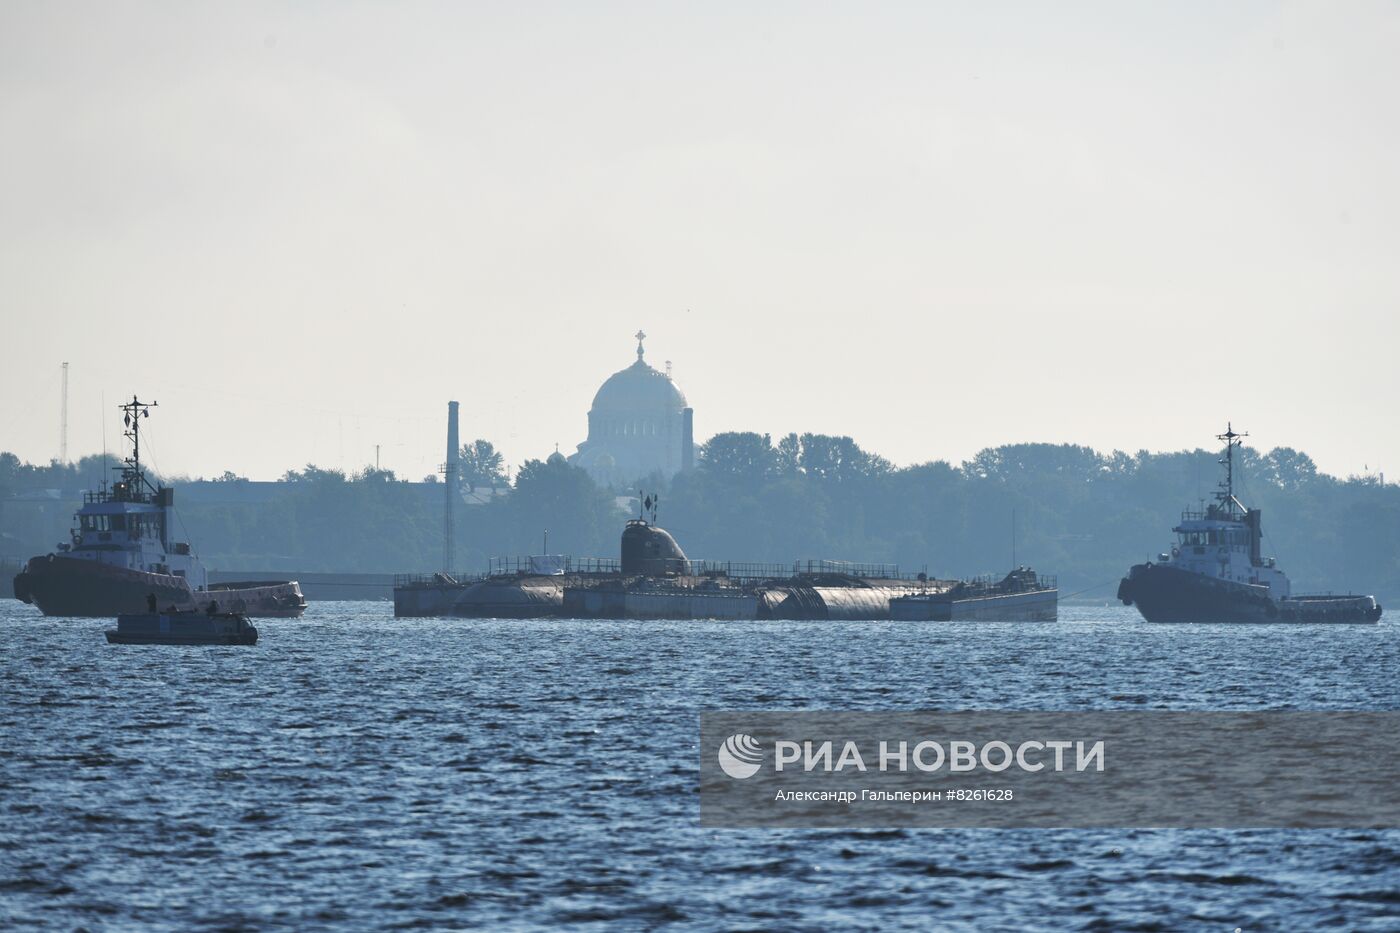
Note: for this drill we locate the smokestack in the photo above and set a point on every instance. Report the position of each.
(454, 446)
(449, 470)
(687, 439)
(1256, 532)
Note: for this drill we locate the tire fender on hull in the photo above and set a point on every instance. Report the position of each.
(21, 585)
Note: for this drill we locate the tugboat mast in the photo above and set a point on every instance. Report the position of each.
(134, 411)
(1227, 495)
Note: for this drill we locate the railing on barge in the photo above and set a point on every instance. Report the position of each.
(550, 563)
(514, 566)
(402, 580)
(809, 568)
(733, 570)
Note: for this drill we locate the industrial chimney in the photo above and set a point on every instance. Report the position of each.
(450, 474)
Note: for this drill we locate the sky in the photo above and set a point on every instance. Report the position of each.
(935, 227)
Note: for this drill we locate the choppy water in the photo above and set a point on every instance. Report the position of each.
(353, 771)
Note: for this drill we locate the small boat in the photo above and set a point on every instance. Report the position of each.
(183, 628)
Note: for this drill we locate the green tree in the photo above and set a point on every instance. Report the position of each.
(552, 494)
(739, 456)
(481, 465)
(788, 455)
(1287, 468)
(9, 469)
(375, 475)
(838, 459)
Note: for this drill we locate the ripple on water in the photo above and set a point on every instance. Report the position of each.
(357, 771)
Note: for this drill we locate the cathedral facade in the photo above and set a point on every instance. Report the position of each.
(639, 424)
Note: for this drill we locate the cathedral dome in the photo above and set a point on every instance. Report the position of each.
(640, 424)
(639, 387)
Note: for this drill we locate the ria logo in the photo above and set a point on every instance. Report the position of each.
(740, 756)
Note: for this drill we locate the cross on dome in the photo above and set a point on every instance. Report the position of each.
(640, 335)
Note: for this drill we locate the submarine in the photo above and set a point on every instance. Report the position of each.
(654, 579)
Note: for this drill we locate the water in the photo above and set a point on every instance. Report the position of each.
(354, 771)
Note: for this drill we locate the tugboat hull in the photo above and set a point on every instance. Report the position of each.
(1165, 594)
(70, 586)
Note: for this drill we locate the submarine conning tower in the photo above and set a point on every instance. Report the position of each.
(650, 550)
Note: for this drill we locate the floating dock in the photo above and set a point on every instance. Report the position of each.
(655, 580)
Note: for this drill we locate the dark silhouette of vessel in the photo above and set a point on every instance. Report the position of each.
(183, 628)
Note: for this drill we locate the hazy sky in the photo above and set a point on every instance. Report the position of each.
(934, 227)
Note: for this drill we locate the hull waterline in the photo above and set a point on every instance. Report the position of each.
(68, 586)
(1165, 594)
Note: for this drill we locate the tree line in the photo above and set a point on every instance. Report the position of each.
(1065, 509)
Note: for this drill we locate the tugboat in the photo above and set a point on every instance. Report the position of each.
(1216, 573)
(122, 553)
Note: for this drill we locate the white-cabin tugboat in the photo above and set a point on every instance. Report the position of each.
(1217, 573)
(123, 553)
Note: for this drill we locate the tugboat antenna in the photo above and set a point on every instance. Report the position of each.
(134, 411)
(1232, 440)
